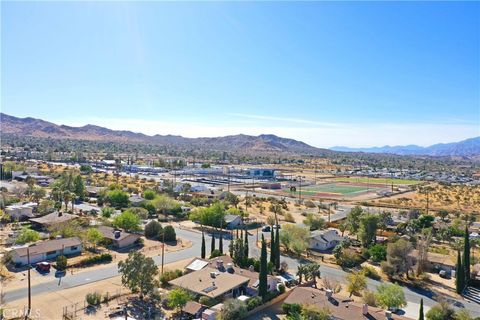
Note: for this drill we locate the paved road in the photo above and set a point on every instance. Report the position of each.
(94, 275)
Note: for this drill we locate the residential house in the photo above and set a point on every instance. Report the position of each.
(120, 239)
(341, 308)
(436, 261)
(53, 218)
(46, 250)
(323, 240)
(21, 211)
(233, 221)
(211, 283)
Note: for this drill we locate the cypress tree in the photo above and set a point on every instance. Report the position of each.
(459, 274)
(212, 245)
(220, 242)
(421, 317)
(245, 246)
(272, 247)
(203, 246)
(277, 248)
(466, 256)
(262, 286)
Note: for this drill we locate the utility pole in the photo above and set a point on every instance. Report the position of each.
(300, 189)
(163, 249)
(29, 286)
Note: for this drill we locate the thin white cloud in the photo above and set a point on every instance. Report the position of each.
(283, 119)
(342, 134)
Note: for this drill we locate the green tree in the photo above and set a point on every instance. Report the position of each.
(79, 187)
(356, 282)
(212, 243)
(466, 256)
(127, 220)
(167, 234)
(94, 236)
(315, 223)
(177, 298)
(421, 316)
(107, 212)
(245, 245)
(277, 247)
(26, 235)
(463, 314)
(233, 309)
(390, 296)
(368, 228)
(38, 193)
(220, 242)
(294, 238)
(353, 219)
(272, 246)
(61, 263)
(202, 254)
(212, 216)
(378, 252)
(152, 229)
(139, 273)
(262, 287)
(399, 261)
(117, 198)
(459, 275)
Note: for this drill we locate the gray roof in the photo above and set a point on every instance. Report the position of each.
(231, 217)
(54, 218)
(49, 245)
(326, 235)
(109, 233)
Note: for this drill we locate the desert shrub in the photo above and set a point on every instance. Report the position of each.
(291, 308)
(215, 253)
(281, 288)
(102, 258)
(309, 204)
(253, 303)
(207, 301)
(370, 272)
(289, 217)
(170, 275)
(93, 298)
(368, 297)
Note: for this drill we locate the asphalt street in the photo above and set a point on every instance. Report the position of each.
(93, 275)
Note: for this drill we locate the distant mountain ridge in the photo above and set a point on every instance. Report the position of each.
(263, 143)
(468, 147)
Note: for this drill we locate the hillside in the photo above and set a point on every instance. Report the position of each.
(465, 148)
(38, 128)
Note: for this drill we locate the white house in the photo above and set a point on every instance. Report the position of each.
(324, 239)
(21, 211)
(120, 239)
(46, 250)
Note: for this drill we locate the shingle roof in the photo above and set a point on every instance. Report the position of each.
(201, 282)
(109, 233)
(192, 307)
(54, 218)
(49, 245)
(341, 308)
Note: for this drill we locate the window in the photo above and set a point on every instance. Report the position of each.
(73, 248)
(50, 253)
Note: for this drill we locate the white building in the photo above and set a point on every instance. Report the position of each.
(324, 239)
(21, 211)
(46, 250)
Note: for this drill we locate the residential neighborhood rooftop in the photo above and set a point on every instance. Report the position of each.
(48, 245)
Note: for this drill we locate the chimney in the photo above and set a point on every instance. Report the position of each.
(329, 293)
(365, 309)
(388, 315)
(60, 213)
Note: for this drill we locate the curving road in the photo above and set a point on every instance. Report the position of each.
(82, 278)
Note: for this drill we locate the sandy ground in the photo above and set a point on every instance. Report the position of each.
(52, 304)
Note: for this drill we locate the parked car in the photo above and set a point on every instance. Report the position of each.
(275, 226)
(266, 229)
(43, 267)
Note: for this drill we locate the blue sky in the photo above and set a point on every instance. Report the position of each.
(327, 73)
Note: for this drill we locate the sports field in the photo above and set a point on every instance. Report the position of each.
(378, 180)
(334, 189)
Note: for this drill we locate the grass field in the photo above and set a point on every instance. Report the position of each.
(378, 180)
(333, 188)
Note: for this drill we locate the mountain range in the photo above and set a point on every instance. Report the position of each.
(269, 143)
(263, 143)
(468, 147)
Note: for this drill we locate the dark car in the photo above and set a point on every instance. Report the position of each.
(43, 267)
(266, 229)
